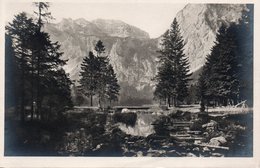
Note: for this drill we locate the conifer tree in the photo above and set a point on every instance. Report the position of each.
(165, 82)
(11, 75)
(222, 69)
(98, 76)
(47, 56)
(89, 76)
(21, 30)
(113, 87)
(102, 69)
(228, 72)
(201, 92)
(172, 56)
(245, 54)
(38, 59)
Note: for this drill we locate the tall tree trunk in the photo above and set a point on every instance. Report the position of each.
(38, 89)
(91, 99)
(99, 101)
(22, 101)
(32, 94)
(175, 101)
(38, 68)
(169, 101)
(22, 91)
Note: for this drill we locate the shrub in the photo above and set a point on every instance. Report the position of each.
(180, 115)
(161, 126)
(127, 118)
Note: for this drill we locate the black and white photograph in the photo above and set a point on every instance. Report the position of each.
(123, 80)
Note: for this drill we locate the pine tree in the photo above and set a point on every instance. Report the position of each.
(202, 89)
(47, 56)
(40, 50)
(21, 31)
(42, 12)
(58, 95)
(98, 76)
(89, 76)
(99, 48)
(221, 71)
(165, 82)
(175, 61)
(38, 58)
(113, 87)
(11, 76)
(245, 36)
(102, 69)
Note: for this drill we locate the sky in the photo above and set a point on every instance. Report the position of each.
(154, 18)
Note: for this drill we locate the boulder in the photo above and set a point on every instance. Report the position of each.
(125, 110)
(191, 155)
(217, 141)
(217, 155)
(139, 153)
(196, 149)
(212, 123)
(206, 149)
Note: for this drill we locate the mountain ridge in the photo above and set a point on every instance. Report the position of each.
(132, 52)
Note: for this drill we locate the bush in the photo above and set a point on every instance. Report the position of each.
(127, 118)
(161, 126)
(180, 115)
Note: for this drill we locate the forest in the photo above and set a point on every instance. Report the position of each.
(42, 118)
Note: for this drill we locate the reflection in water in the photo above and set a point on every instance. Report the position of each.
(143, 126)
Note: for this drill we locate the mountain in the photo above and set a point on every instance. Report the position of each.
(132, 53)
(199, 24)
(117, 28)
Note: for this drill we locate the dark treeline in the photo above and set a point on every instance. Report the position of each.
(173, 74)
(36, 83)
(225, 79)
(227, 76)
(98, 78)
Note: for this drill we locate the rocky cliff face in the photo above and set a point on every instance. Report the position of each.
(199, 24)
(132, 53)
(117, 28)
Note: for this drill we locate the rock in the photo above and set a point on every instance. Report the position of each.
(139, 153)
(214, 142)
(171, 151)
(212, 123)
(211, 126)
(149, 154)
(196, 149)
(217, 155)
(191, 155)
(217, 141)
(98, 146)
(161, 151)
(206, 149)
(125, 110)
(197, 141)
